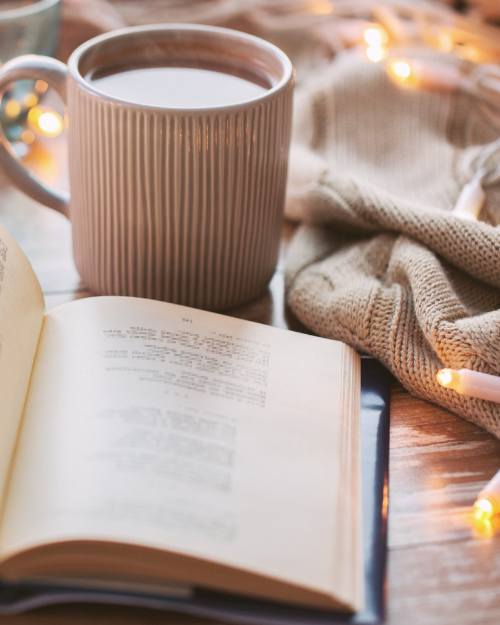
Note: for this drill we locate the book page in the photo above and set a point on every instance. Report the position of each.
(21, 313)
(159, 425)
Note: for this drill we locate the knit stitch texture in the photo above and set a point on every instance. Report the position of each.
(379, 261)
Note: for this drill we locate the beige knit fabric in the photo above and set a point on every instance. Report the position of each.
(380, 262)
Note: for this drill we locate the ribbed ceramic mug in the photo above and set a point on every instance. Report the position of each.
(183, 205)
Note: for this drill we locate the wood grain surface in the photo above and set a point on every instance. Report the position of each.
(442, 568)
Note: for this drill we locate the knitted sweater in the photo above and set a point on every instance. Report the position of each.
(379, 261)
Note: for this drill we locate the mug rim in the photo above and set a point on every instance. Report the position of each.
(286, 78)
(26, 11)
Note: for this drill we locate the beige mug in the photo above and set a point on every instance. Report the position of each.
(177, 204)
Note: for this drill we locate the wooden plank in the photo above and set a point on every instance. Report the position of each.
(44, 236)
(453, 584)
(443, 566)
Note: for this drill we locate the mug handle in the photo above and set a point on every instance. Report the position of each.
(54, 73)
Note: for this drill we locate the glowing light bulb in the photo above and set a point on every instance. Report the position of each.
(12, 108)
(449, 378)
(375, 36)
(376, 39)
(401, 69)
(425, 74)
(28, 136)
(50, 123)
(487, 503)
(444, 377)
(402, 73)
(376, 53)
(34, 115)
(30, 100)
(41, 86)
(483, 509)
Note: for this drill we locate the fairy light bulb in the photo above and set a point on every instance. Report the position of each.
(34, 115)
(376, 53)
(376, 39)
(12, 108)
(487, 503)
(41, 86)
(375, 36)
(28, 137)
(483, 510)
(400, 71)
(50, 124)
(30, 100)
(425, 74)
(444, 377)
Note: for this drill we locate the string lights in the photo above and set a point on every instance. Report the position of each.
(419, 73)
(45, 122)
(376, 39)
(26, 121)
(50, 124)
(388, 26)
(12, 108)
(406, 22)
(488, 501)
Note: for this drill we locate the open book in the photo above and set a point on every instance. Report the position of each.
(148, 445)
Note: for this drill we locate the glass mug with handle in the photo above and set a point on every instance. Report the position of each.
(178, 151)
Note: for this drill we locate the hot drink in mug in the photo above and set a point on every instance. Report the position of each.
(178, 148)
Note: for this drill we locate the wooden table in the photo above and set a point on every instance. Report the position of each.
(441, 567)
